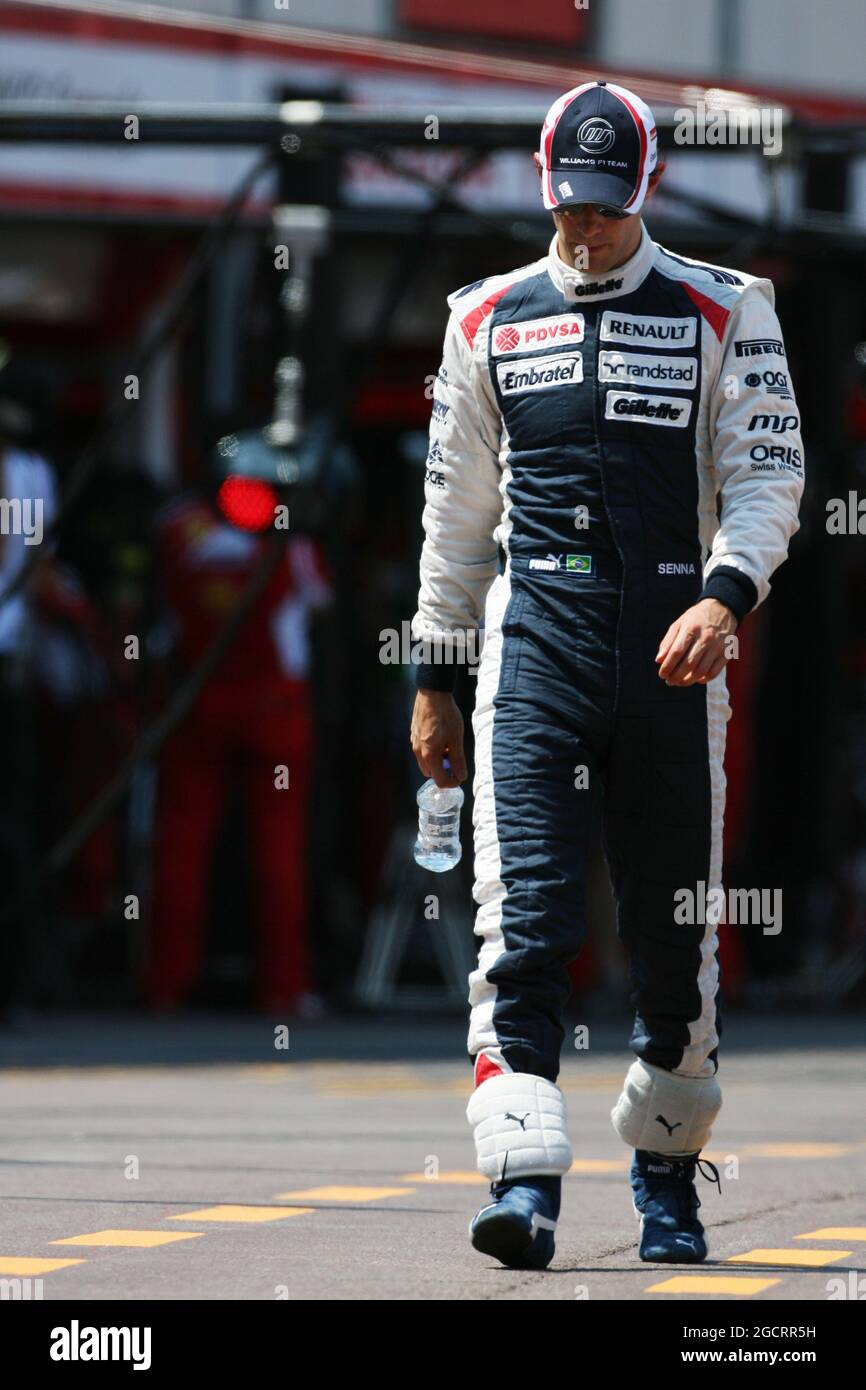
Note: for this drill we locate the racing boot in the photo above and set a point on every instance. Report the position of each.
(521, 1142)
(665, 1199)
(517, 1226)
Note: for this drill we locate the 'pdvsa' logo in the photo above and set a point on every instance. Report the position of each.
(507, 339)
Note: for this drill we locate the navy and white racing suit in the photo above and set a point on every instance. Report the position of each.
(604, 451)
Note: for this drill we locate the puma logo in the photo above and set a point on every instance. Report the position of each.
(521, 1122)
(670, 1128)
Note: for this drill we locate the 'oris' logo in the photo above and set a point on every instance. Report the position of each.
(596, 135)
(507, 339)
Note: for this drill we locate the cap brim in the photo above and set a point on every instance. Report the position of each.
(589, 187)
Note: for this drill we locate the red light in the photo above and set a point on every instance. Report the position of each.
(247, 503)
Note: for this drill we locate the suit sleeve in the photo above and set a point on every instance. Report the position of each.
(463, 507)
(757, 454)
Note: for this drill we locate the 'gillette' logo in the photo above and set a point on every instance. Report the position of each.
(537, 333)
(648, 410)
(562, 370)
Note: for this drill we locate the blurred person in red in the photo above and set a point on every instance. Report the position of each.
(252, 719)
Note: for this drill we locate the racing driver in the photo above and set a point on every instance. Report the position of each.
(614, 474)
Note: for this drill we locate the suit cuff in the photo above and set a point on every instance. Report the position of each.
(733, 588)
(439, 677)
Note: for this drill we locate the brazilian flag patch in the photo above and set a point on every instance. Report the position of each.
(579, 564)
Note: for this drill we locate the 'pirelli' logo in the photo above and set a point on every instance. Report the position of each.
(759, 347)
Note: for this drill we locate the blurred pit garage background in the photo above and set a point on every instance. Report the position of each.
(226, 235)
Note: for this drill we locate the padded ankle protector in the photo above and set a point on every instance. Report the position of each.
(664, 1113)
(520, 1127)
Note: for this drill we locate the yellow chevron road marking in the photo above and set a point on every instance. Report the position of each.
(592, 1081)
(793, 1150)
(128, 1238)
(230, 1213)
(599, 1165)
(344, 1194)
(347, 1081)
(788, 1257)
(712, 1283)
(376, 1080)
(452, 1175)
(15, 1264)
(835, 1233)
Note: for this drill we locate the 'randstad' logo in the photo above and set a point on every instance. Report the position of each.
(596, 135)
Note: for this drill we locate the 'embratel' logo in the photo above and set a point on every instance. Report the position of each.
(596, 135)
(540, 374)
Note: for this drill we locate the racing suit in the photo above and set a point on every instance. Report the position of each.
(604, 451)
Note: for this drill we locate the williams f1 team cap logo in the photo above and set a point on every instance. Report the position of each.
(598, 145)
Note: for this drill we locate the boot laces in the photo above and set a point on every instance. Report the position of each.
(687, 1198)
(692, 1200)
(713, 1175)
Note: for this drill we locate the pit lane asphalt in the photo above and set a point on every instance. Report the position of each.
(342, 1168)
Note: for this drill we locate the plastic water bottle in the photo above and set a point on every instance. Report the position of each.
(438, 845)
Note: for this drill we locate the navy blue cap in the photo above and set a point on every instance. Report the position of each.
(598, 145)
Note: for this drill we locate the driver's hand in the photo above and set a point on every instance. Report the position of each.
(692, 650)
(437, 733)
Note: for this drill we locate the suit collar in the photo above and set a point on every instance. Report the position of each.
(582, 286)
